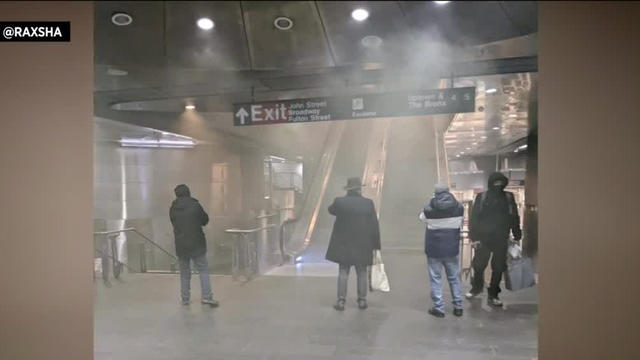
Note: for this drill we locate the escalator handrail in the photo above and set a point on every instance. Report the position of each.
(249, 231)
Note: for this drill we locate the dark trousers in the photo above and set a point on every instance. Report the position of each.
(497, 251)
(343, 279)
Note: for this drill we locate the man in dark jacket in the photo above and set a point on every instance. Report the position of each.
(493, 217)
(443, 215)
(355, 236)
(188, 218)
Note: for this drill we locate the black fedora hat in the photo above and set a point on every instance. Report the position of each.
(353, 183)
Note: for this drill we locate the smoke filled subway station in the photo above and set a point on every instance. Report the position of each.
(319, 180)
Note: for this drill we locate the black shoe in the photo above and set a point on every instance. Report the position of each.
(436, 313)
(494, 301)
(457, 312)
(339, 305)
(362, 304)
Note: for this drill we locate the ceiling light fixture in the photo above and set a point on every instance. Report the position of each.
(442, 2)
(371, 41)
(277, 158)
(121, 19)
(177, 144)
(359, 14)
(190, 107)
(491, 91)
(496, 128)
(117, 72)
(513, 115)
(205, 24)
(283, 23)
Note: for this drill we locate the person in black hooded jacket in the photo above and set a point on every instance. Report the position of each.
(494, 215)
(188, 217)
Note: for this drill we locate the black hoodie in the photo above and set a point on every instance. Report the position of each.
(495, 214)
(188, 218)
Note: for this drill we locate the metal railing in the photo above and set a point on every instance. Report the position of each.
(246, 252)
(465, 245)
(253, 250)
(282, 240)
(117, 264)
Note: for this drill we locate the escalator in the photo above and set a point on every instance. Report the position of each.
(400, 160)
(410, 177)
(349, 162)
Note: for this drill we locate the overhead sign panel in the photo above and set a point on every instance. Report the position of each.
(426, 102)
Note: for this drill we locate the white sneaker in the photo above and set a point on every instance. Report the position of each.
(494, 301)
(472, 294)
(210, 302)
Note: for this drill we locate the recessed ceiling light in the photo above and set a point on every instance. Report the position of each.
(121, 19)
(205, 24)
(360, 14)
(491, 90)
(468, 148)
(458, 155)
(442, 2)
(474, 143)
(190, 107)
(371, 41)
(496, 128)
(484, 137)
(283, 23)
(513, 115)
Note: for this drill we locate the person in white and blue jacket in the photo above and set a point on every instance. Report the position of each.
(443, 215)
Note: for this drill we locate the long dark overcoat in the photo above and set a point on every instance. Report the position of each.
(356, 232)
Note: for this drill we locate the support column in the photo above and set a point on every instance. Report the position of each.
(46, 171)
(588, 180)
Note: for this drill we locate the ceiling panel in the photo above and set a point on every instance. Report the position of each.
(140, 43)
(524, 14)
(223, 47)
(461, 22)
(169, 59)
(500, 119)
(303, 46)
(355, 42)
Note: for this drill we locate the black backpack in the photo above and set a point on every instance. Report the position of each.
(510, 201)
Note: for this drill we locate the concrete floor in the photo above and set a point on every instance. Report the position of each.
(289, 316)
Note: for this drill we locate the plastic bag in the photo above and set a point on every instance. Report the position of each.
(514, 251)
(520, 274)
(379, 280)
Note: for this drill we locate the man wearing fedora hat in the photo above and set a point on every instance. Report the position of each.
(355, 235)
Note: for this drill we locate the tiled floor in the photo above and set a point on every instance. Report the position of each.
(289, 316)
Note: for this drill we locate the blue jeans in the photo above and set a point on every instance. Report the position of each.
(452, 268)
(185, 277)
